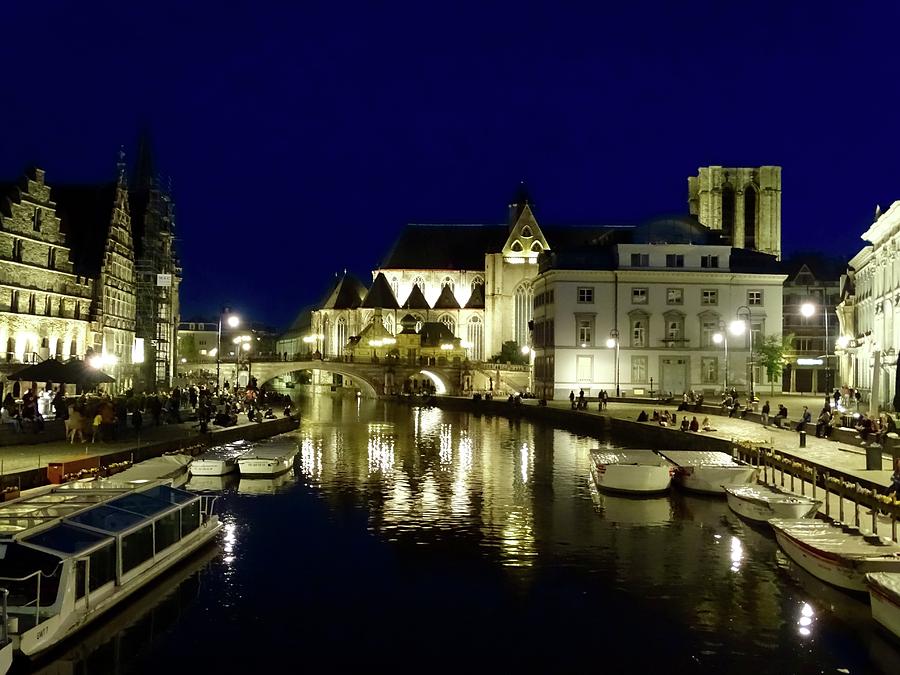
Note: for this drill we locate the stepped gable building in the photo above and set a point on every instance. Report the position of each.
(69, 261)
(479, 281)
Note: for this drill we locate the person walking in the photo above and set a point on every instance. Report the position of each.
(805, 418)
(572, 398)
(765, 414)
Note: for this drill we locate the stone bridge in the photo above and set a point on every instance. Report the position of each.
(380, 378)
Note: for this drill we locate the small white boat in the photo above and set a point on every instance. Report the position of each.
(836, 553)
(6, 643)
(266, 460)
(219, 460)
(639, 472)
(709, 471)
(73, 552)
(763, 502)
(172, 468)
(884, 592)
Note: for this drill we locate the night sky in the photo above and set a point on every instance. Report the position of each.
(301, 136)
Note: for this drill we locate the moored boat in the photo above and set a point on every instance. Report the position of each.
(709, 471)
(637, 472)
(835, 553)
(74, 551)
(6, 643)
(173, 468)
(266, 460)
(220, 460)
(884, 592)
(763, 502)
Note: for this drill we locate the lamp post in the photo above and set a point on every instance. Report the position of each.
(737, 327)
(807, 309)
(613, 342)
(722, 337)
(233, 321)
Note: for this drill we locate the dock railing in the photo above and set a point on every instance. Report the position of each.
(23, 608)
(208, 505)
(790, 471)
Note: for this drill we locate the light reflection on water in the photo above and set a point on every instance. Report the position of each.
(500, 504)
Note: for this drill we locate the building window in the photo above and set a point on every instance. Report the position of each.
(447, 281)
(754, 297)
(47, 306)
(638, 369)
(586, 295)
(38, 217)
(420, 282)
(524, 305)
(340, 329)
(709, 261)
(674, 296)
(395, 286)
(639, 296)
(51, 258)
(640, 260)
(709, 370)
(728, 210)
(674, 260)
(17, 250)
(639, 330)
(77, 310)
(708, 328)
(14, 301)
(584, 368)
(709, 296)
(448, 321)
(477, 281)
(585, 331)
(750, 217)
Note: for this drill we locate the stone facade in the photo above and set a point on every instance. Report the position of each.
(743, 203)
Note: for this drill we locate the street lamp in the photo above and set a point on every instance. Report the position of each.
(722, 338)
(737, 327)
(807, 309)
(233, 321)
(241, 343)
(613, 342)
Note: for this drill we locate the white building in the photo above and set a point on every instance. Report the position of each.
(660, 292)
(870, 295)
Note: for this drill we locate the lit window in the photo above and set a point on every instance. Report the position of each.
(639, 296)
(674, 296)
(754, 297)
(710, 296)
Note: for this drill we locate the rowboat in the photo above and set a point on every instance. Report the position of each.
(709, 471)
(884, 592)
(763, 502)
(219, 460)
(267, 460)
(73, 552)
(836, 553)
(638, 472)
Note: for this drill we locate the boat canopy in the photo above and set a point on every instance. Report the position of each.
(67, 539)
(699, 458)
(643, 457)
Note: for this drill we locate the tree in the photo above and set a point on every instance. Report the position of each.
(771, 355)
(510, 352)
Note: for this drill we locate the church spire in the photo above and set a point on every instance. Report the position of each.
(521, 199)
(144, 171)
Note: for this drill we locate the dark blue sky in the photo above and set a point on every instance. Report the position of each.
(301, 136)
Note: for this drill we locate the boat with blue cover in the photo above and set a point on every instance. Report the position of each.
(69, 553)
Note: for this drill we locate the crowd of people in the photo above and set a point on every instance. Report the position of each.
(580, 402)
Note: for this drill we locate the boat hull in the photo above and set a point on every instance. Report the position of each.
(711, 479)
(841, 572)
(635, 479)
(885, 605)
(213, 467)
(762, 512)
(254, 467)
(53, 631)
(6, 658)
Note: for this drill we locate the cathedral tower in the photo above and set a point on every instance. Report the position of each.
(743, 203)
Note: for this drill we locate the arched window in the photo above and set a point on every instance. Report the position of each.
(475, 337)
(388, 321)
(340, 329)
(420, 282)
(477, 281)
(447, 281)
(73, 348)
(395, 286)
(524, 304)
(728, 210)
(419, 322)
(526, 232)
(10, 349)
(516, 246)
(536, 247)
(639, 323)
(750, 217)
(449, 322)
(326, 340)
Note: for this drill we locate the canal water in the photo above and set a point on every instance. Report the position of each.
(422, 540)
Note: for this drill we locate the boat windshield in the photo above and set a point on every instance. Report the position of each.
(107, 518)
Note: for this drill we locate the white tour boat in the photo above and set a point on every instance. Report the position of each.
(219, 460)
(836, 553)
(72, 552)
(763, 502)
(709, 471)
(884, 592)
(639, 472)
(266, 460)
(173, 468)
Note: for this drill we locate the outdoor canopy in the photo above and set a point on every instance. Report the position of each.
(74, 371)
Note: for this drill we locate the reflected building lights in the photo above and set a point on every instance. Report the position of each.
(229, 539)
(459, 497)
(446, 451)
(737, 554)
(311, 458)
(380, 450)
(805, 622)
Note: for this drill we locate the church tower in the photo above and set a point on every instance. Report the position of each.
(743, 203)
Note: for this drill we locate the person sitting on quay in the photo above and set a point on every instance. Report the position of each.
(642, 416)
(698, 403)
(7, 417)
(706, 426)
(822, 422)
(728, 401)
(780, 419)
(664, 419)
(695, 425)
(735, 406)
(685, 424)
(864, 428)
(655, 417)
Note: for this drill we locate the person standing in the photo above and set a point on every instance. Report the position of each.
(572, 398)
(765, 414)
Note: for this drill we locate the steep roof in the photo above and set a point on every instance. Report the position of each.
(347, 293)
(446, 300)
(434, 332)
(380, 295)
(85, 213)
(476, 299)
(416, 299)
